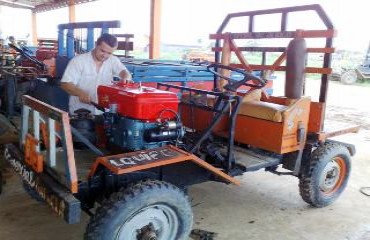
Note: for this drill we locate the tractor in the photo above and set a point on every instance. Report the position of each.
(351, 75)
(129, 168)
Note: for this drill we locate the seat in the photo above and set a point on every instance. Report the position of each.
(269, 110)
(263, 110)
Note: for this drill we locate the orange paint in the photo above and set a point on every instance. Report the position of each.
(181, 156)
(278, 137)
(33, 159)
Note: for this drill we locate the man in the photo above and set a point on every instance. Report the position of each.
(87, 71)
(13, 41)
(11, 52)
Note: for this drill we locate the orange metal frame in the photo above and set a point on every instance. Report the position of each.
(59, 116)
(269, 135)
(230, 46)
(36, 161)
(278, 137)
(177, 156)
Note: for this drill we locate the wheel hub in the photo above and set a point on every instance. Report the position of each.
(156, 222)
(147, 233)
(330, 176)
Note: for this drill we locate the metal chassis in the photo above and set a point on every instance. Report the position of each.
(64, 193)
(229, 45)
(225, 101)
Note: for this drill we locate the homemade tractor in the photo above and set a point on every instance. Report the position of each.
(18, 75)
(129, 167)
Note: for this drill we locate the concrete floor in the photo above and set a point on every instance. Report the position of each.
(269, 207)
(264, 207)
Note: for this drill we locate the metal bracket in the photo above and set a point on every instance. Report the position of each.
(301, 133)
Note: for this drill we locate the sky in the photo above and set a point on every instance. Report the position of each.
(187, 21)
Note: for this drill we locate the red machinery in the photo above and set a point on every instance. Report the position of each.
(143, 103)
(46, 53)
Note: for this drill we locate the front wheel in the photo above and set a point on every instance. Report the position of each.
(147, 210)
(327, 176)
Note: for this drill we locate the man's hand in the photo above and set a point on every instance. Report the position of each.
(73, 90)
(125, 77)
(84, 97)
(126, 81)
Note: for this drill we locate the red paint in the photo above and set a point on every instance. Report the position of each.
(143, 103)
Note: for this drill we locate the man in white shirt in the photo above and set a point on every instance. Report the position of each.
(87, 71)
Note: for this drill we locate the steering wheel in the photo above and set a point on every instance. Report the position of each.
(234, 84)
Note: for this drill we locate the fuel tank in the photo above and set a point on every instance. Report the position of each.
(295, 68)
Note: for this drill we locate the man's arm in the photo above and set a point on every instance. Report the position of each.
(120, 69)
(125, 76)
(73, 90)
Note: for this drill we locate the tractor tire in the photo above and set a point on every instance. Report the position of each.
(149, 209)
(349, 77)
(327, 175)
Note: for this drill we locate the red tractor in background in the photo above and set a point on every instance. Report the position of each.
(18, 76)
(136, 160)
(46, 52)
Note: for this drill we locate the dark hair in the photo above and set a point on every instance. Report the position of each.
(108, 39)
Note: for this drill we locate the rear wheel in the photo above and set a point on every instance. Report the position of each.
(349, 77)
(147, 210)
(327, 176)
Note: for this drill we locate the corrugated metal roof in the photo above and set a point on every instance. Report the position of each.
(41, 5)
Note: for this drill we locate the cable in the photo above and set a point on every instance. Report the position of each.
(365, 191)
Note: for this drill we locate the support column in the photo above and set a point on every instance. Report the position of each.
(225, 60)
(71, 11)
(34, 29)
(1, 21)
(155, 29)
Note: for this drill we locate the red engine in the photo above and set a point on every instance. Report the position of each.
(142, 103)
(140, 117)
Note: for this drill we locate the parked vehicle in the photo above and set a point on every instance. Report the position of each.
(151, 144)
(350, 75)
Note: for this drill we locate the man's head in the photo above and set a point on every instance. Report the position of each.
(105, 45)
(11, 39)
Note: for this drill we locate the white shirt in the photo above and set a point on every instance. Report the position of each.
(82, 72)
